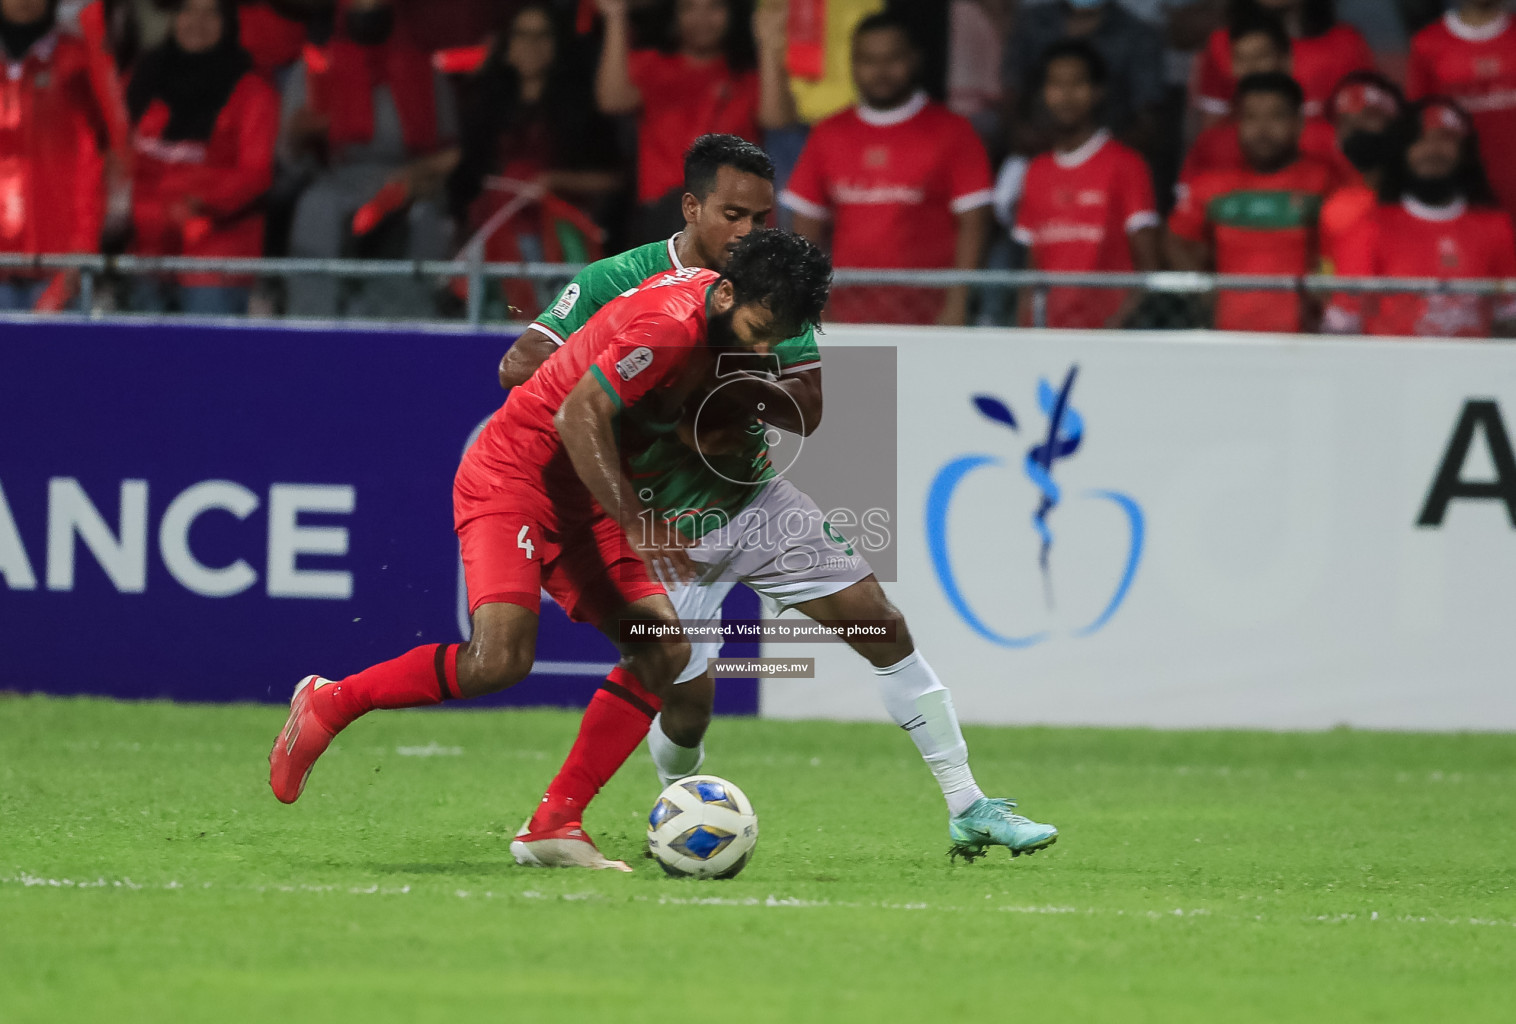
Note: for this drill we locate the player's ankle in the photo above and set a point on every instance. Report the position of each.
(555, 813)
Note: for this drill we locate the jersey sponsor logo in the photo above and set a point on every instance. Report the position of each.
(1062, 233)
(851, 194)
(1264, 210)
(171, 152)
(565, 303)
(677, 277)
(634, 362)
(1064, 436)
(1492, 101)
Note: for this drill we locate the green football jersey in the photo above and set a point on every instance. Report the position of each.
(703, 491)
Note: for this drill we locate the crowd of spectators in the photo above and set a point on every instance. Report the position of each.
(1356, 137)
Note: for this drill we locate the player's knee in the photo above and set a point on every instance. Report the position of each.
(489, 670)
(658, 665)
(896, 644)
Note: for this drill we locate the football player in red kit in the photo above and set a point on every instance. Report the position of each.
(1437, 217)
(542, 499)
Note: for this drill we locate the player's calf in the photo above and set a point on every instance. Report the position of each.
(501, 651)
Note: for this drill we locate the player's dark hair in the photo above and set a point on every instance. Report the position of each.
(885, 21)
(783, 272)
(1259, 22)
(1073, 49)
(1316, 16)
(710, 153)
(1472, 184)
(1270, 83)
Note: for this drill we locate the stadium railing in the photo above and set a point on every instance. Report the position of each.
(1034, 286)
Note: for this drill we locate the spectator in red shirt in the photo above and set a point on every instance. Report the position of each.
(1260, 219)
(700, 84)
(60, 115)
(1323, 52)
(370, 124)
(1087, 205)
(1363, 111)
(1470, 55)
(205, 127)
(900, 180)
(1259, 44)
(1438, 218)
(272, 32)
(531, 131)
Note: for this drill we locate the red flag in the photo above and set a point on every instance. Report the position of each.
(806, 28)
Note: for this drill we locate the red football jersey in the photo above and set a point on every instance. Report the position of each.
(1257, 224)
(647, 345)
(1410, 239)
(682, 100)
(892, 182)
(1216, 148)
(1477, 67)
(1076, 212)
(1342, 215)
(1317, 63)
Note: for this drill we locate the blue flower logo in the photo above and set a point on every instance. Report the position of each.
(1065, 434)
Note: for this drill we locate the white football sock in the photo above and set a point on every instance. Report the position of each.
(922, 706)
(672, 761)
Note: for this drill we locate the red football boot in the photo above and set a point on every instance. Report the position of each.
(303, 739)
(558, 842)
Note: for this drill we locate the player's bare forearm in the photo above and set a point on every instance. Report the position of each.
(1185, 253)
(1144, 245)
(586, 424)
(973, 237)
(776, 101)
(790, 403)
(615, 92)
(1188, 254)
(522, 359)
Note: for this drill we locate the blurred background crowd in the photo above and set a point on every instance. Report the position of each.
(1361, 137)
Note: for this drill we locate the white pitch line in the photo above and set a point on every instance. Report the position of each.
(28, 880)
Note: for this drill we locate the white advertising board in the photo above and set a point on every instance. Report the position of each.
(1237, 538)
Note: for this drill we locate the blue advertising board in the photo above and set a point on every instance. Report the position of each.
(208, 513)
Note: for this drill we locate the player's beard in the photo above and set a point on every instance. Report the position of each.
(1438, 191)
(719, 332)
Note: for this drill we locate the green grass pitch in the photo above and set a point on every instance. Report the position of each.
(146, 873)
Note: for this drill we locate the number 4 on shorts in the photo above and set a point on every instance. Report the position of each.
(524, 544)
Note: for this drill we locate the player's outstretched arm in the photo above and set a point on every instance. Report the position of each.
(586, 424)
(522, 359)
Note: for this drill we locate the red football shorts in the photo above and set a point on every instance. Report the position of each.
(520, 536)
(588, 569)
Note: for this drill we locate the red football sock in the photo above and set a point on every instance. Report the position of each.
(614, 723)
(421, 676)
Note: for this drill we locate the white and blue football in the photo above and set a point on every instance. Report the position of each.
(702, 827)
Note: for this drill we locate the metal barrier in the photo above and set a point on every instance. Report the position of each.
(477, 273)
